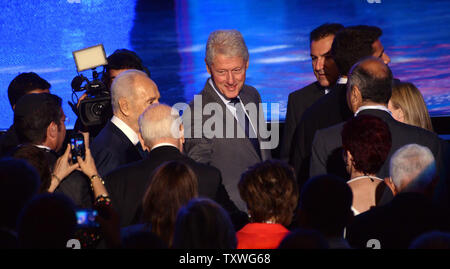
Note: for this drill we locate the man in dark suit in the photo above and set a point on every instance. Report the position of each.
(163, 136)
(411, 212)
(118, 142)
(325, 70)
(349, 46)
(225, 123)
(369, 91)
(22, 84)
(39, 120)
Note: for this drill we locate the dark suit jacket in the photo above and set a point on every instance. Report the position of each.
(327, 152)
(327, 111)
(127, 184)
(298, 102)
(76, 186)
(111, 148)
(327, 146)
(398, 223)
(8, 142)
(231, 155)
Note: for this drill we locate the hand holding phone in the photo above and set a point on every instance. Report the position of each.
(62, 169)
(77, 146)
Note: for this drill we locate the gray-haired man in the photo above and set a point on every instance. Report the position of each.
(222, 129)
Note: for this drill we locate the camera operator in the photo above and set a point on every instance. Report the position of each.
(118, 62)
(121, 60)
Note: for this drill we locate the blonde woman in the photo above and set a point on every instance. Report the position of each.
(407, 106)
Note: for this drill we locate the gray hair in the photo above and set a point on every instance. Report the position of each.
(412, 168)
(227, 42)
(159, 121)
(124, 86)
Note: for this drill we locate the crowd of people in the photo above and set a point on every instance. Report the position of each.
(359, 159)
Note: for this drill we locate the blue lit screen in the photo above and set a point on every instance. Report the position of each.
(170, 37)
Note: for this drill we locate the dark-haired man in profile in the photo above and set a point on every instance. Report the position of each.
(349, 46)
(326, 73)
(39, 121)
(22, 84)
(120, 61)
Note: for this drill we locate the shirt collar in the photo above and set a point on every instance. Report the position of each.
(225, 100)
(162, 145)
(130, 133)
(379, 107)
(43, 147)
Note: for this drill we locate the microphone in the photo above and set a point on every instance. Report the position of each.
(77, 81)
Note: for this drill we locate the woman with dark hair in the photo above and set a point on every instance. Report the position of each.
(270, 191)
(204, 224)
(172, 185)
(366, 142)
(36, 157)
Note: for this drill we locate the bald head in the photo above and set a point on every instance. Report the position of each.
(161, 123)
(374, 67)
(370, 81)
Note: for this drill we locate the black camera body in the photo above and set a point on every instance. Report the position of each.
(95, 108)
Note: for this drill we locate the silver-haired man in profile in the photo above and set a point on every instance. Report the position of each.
(118, 143)
(413, 177)
(225, 119)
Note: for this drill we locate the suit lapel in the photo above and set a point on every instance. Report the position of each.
(210, 96)
(246, 99)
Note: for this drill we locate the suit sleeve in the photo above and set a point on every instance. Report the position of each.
(76, 186)
(289, 128)
(196, 146)
(442, 190)
(105, 161)
(298, 157)
(238, 218)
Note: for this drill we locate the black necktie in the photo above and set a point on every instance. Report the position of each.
(245, 123)
(141, 151)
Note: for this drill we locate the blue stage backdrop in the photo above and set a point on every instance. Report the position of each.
(170, 37)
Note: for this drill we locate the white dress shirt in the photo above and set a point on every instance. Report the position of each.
(231, 106)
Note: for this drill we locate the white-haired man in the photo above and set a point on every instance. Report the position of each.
(162, 133)
(118, 143)
(411, 212)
